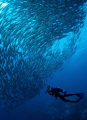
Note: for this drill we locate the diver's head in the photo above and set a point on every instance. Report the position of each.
(48, 86)
(49, 89)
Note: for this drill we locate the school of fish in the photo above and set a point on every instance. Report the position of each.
(33, 44)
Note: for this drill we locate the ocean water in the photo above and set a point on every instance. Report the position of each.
(42, 43)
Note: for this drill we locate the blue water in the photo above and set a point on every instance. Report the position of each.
(72, 77)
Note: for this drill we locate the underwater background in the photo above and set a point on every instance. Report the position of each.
(42, 42)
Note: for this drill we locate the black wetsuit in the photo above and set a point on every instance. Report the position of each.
(62, 94)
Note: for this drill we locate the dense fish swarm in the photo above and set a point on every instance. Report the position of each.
(31, 35)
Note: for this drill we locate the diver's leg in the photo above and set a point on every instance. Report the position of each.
(67, 95)
(78, 94)
(65, 100)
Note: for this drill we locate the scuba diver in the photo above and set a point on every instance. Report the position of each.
(57, 92)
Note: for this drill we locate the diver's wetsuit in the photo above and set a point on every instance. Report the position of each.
(62, 94)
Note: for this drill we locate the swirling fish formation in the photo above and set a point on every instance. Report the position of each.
(31, 35)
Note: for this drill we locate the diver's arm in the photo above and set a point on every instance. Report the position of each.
(50, 93)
